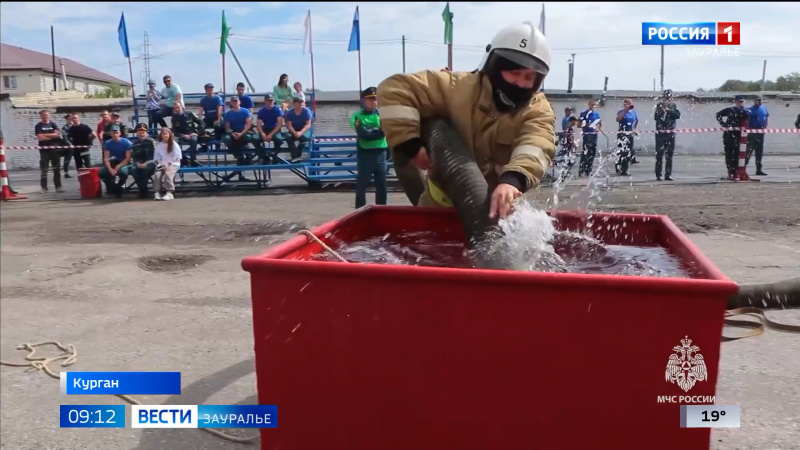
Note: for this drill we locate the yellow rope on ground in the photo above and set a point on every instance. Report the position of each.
(69, 355)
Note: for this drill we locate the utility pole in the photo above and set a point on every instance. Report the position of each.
(571, 73)
(654, 85)
(404, 53)
(53, 50)
(764, 76)
(662, 68)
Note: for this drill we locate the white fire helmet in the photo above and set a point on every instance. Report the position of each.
(522, 44)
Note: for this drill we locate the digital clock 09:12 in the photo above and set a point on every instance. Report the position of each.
(92, 416)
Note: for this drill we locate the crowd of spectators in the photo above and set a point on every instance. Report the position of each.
(155, 149)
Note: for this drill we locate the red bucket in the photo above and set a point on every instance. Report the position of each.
(89, 180)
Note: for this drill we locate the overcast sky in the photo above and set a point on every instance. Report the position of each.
(267, 37)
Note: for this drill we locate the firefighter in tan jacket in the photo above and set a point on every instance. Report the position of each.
(497, 110)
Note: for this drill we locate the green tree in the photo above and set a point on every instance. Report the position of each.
(112, 91)
(790, 82)
(785, 83)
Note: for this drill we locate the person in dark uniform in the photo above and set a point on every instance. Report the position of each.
(666, 118)
(142, 166)
(186, 127)
(371, 149)
(115, 122)
(759, 120)
(591, 125)
(67, 152)
(797, 123)
(731, 117)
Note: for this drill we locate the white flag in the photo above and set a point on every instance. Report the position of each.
(541, 20)
(307, 33)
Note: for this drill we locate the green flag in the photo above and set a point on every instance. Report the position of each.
(223, 40)
(447, 16)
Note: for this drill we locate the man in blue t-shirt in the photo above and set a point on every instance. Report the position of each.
(116, 155)
(211, 111)
(270, 122)
(240, 132)
(591, 125)
(298, 121)
(628, 123)
(759, 117)
(244, 100)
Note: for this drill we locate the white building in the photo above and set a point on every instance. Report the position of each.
(23, 71)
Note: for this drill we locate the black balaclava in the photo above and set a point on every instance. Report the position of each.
(507, 96)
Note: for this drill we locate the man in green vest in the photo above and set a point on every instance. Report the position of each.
(371, 149)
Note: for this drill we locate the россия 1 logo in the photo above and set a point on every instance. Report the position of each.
(700, 33)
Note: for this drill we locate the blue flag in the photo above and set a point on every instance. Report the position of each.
(355, 35)
(122, 31)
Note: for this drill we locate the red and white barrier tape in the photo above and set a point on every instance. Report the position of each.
(36, 147)
(676, 130)
(353, 139)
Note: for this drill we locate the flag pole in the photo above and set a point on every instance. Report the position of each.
(359, 71)
(311, 51)
(122, 36)
(133, 93)
(450, 46)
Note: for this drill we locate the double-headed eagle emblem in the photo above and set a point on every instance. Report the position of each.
(686, 366)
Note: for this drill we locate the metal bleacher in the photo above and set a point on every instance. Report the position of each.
(332, 159)
(327, 160)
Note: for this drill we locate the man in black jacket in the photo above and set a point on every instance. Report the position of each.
(732, 117)
(666, 117)
(185, 126)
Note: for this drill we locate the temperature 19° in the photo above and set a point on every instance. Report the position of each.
(715, 415)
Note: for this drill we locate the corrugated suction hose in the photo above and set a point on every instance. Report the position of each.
(458, 175)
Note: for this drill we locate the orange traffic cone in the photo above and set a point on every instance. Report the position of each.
(5, 191)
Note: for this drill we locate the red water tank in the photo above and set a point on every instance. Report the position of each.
(385, 357)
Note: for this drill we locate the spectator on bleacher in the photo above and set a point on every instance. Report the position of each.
(244, 100)
(269, 123)
(298, 121)
(116, 155)
(211, 110)
(168, 161)
(282, 92)
(82, 136)
(114, 122)
(371, 149)
(153, 106)
(171, 93)
(298, 91)
(239, 133)
(142, 166)
(49, 135)
(105, 119)
(67, 152)
(185, 127)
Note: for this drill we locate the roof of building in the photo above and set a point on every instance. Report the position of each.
(18, 58)
(55, 99)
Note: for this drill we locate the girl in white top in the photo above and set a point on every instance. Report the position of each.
(298, 92)
(168, 160)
